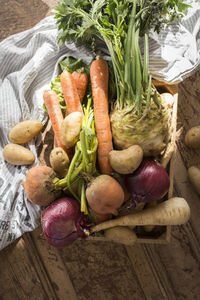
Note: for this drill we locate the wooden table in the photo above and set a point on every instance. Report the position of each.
(30, 269)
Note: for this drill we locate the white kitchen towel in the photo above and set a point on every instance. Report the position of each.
(29, 60)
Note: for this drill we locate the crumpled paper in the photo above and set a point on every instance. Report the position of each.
(29, 61)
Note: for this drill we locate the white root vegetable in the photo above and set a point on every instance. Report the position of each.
(192, 137)
(194, 176)
(70, 129)
(25, 131)
(120, 234)
(149, 228)
(174, 211)
(18, 155)
(126, 161)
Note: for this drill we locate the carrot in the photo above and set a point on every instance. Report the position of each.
(70, 93)
(99, 82)
(174, 211)
(55, 114)
(81, 81)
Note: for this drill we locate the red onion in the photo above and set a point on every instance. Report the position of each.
(63, 223)
(148, 183)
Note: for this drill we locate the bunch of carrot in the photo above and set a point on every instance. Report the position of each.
(74, 87)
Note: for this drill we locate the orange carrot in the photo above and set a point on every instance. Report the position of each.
(81, 81)
(70, 93)
(55, 114)
(99, 82)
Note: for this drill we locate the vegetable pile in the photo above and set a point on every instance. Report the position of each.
(111, 127)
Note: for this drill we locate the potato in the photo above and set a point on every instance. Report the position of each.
(70, 129)
(59, 161)
(192, 137)
(126, 161)
(119, 234)
(194, 176)
(25, 131)
(18, 155)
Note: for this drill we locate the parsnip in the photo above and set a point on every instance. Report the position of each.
(174, 211)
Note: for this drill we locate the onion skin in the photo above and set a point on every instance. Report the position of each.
(148, 183)
(61, 222)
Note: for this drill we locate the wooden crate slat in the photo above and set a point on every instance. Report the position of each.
(54, 267)
(145, 275)
(18, 277)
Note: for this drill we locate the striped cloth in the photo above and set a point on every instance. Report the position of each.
(29, 60)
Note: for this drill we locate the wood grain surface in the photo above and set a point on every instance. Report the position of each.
(31, 269)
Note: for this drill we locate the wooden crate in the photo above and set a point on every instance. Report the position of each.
(165, 236)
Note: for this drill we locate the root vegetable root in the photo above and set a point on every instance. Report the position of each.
(99, 83)
(39, 185)
(105, 195)
(174, 211)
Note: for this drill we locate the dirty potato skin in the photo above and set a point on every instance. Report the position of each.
(70, 129)
(126, 161)
(194, 176)
(18, 155)
(105, 195)
(59, 161)
(120, 234)
(25, 131)
(192, 137)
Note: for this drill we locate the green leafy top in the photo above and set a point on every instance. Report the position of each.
(119, 24)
